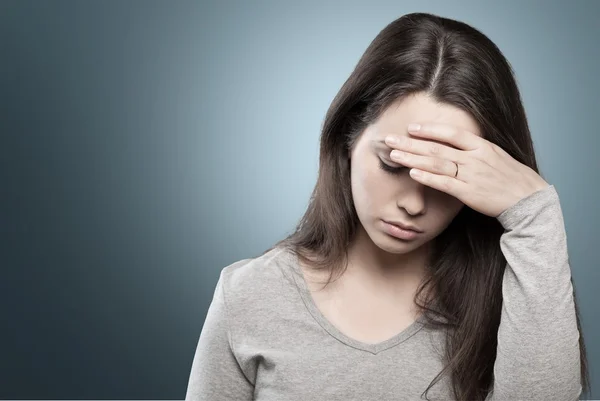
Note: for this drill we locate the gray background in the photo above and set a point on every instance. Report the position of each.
(145, 145)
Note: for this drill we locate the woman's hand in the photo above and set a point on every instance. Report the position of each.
(488, 179)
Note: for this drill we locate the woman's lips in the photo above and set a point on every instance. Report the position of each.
(398, 232)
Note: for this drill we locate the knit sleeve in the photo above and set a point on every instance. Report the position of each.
(538, 356)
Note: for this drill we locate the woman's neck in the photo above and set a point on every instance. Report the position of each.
(383, 270)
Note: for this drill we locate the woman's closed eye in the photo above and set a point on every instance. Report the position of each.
(390, 169)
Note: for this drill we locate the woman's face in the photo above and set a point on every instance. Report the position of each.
(381, 195)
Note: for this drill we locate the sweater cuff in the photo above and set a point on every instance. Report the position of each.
(528, 207)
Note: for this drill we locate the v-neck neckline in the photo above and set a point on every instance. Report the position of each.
(373, 348)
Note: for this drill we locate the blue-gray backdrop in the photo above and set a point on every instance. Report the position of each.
(147, 144)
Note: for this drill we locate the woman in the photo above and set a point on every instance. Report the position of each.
(471, 300)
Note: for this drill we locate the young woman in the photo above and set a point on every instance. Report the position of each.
(442, 250)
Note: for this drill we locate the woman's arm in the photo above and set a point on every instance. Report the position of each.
(216, 374)
(538, 342)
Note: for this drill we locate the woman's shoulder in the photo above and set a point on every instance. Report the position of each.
(259, 277)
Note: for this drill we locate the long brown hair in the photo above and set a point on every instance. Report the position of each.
(457, 65)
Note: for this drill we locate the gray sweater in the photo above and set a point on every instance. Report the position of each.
(264, 338)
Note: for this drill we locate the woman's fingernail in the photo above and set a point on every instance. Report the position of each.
(391, 140)
(396, 154)
(414, 127)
